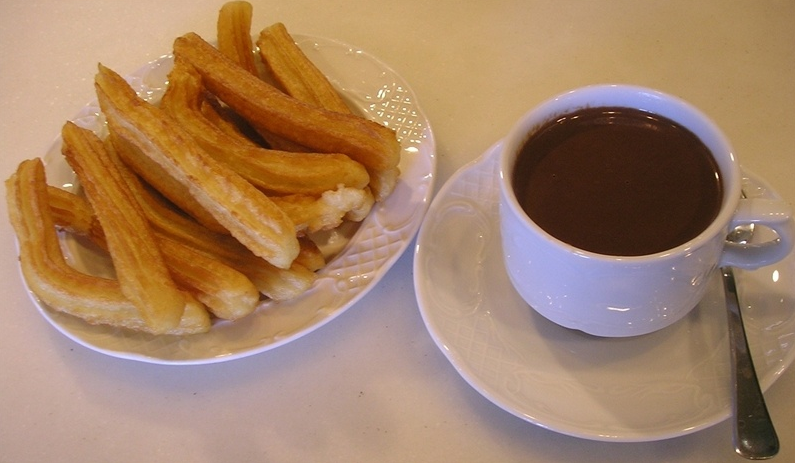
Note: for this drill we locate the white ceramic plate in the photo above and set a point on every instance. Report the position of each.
(363, 254)
(669, 383)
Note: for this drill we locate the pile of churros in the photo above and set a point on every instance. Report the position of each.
(205, 202)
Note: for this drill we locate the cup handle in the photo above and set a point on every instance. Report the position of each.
(770, 213)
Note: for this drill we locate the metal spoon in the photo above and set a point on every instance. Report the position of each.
(755, 437)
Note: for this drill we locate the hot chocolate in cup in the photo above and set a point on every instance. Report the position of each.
(615, 204)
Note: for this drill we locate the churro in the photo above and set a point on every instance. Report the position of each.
(275, 172)
(61, 287)
(75, 215)
(294, 73)
(313, 214)
(246, 212)
(226, 292)
(234, 36)
(298, 76)
(228, 122)
(262, 105)
(137, 259)
(234, 41)
(159, 179)
(168, 224)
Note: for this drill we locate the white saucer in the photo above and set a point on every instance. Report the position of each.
(360, 255)
(665, 384)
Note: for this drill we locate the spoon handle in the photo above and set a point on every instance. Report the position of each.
(755, 437)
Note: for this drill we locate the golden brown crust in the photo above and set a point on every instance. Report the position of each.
(228, 122)
(245, 211)
(137, 259)
(264, 106)
(75, 215)
(94, 299)
(226, 292)
(383, 182)
(310, 256)
(234, 34)
(297, 76)
(159, 179)
(321, 212)
(294, 73)
(279, 284)
(275, 172)
(234, 41)
(167, 221)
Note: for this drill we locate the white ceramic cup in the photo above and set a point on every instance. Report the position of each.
(626, 296)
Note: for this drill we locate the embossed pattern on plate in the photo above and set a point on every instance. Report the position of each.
(362, 254)
(661, 385)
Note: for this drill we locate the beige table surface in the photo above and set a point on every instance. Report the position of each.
(371, 385)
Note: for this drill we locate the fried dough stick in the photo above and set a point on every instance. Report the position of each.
(230, 123)
(137, 259)
(173, 229)
(163, 218)
(246, 212)
(294, 73)
(264, 106)
(275, 172)
(298, 76)
(234, 36)
(96, 300)
(317, 212)
(277, 284)
(231, 299)
(156, 176)
(309, 213)
(327, 211)
(226, 292)
(234, 41)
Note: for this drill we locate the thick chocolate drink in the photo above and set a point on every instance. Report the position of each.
(618, 181)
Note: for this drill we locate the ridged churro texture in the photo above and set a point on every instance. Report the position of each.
(297, 76)
(275, 172)
(137, 260)
(263, 105)
(234, 34)
(294, 73)
(226, 292)
(246, 212)
(96, 300)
